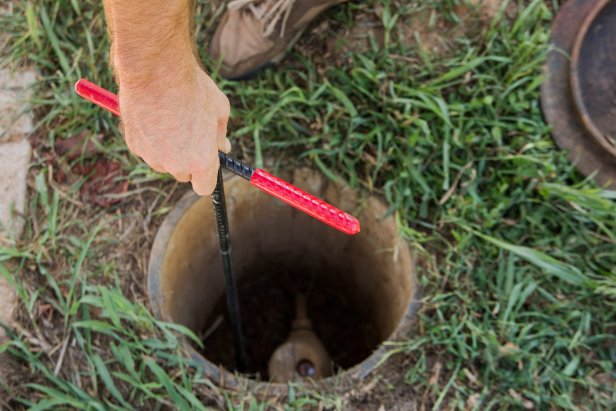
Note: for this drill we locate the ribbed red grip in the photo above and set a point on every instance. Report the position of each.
(98, 95)
(305, 202)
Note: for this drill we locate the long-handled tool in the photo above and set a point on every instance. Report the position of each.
(272, 185)
(224, 242)
(259, 178)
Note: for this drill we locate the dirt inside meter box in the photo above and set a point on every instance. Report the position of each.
(267, 307)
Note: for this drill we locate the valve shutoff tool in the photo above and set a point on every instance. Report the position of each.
(274, 186)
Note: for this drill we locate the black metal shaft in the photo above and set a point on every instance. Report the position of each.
(235, 166)
(220, 207)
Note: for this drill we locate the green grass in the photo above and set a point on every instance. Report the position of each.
(519, 248)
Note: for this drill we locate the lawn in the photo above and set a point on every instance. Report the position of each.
(518, 249)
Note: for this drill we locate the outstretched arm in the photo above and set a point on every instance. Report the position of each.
(174, 116)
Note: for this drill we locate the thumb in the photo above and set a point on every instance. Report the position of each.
(224, 145)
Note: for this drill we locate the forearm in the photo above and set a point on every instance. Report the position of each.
(151, 39)
(173, 115)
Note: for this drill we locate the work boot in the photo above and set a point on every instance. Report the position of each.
(254, 34)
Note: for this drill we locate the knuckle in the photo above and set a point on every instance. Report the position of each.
(175, 168)
(182, 177)
(222, 130)
(132, 143)
(156, 166)
(225, 106)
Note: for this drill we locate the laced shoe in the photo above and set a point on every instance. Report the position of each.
(254, 34)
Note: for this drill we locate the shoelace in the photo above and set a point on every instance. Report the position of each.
(269, 15)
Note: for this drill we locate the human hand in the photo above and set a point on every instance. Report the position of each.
(176, 121)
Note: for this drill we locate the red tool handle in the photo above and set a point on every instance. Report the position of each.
(261, 179)
(98, 95)
(305, 202)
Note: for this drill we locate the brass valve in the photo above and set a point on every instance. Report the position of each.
(302, 355)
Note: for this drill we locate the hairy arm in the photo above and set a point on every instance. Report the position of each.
(174, 116)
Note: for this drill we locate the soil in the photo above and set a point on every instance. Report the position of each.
(267, 301)
(426, 28)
